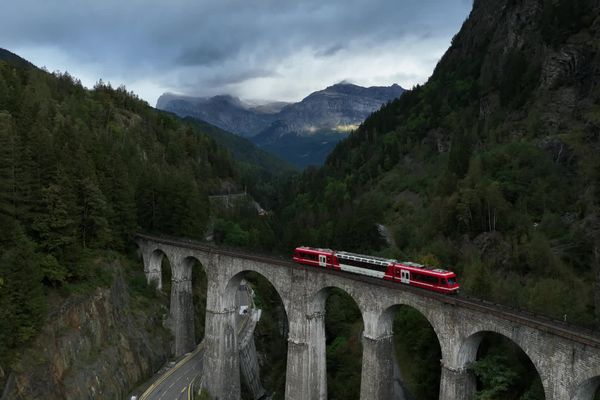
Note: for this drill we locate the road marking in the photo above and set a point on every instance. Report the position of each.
(181, 363)
(153, 387)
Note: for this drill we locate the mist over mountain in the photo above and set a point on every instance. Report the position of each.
(302, 133)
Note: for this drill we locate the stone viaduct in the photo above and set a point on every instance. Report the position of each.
(567, 360)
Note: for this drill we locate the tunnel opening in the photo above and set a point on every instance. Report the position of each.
(417, 353)
(343, 340)
(270, 337)
(503, 370)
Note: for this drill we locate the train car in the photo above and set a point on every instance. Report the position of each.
(324, 258)
(436, 279)
(406, 272)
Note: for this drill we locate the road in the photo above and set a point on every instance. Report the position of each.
(175, 383)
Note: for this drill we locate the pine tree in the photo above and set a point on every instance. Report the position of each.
(8, 150)
(93, 224)
(22, 305)
(54, 226)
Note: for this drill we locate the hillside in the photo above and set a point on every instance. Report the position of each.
(80, 172)
(14, 59)
(490, 168)
(244, 151)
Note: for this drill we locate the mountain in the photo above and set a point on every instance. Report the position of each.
(302, 133)
(226, 112)
(490, 168)
(244, 151)
(86, 170)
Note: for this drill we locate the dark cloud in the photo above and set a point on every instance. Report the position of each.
(225, 42)
(329, 51)
(235, 77)
(203, 56)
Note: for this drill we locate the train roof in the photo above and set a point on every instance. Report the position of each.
(346, 254)
(422, 267)
(313, 249)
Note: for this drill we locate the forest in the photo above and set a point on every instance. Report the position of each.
(81, 171)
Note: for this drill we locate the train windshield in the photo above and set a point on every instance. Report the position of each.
(451, 281)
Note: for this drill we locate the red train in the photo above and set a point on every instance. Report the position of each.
(409, 273)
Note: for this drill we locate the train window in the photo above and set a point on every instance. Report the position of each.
(451, 281)
(425, 278)
(443, 282)
(363, 263)
(308, 256)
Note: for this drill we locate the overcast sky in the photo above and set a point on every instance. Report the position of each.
(254, 49)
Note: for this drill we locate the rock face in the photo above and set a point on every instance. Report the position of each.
(302, 133)
(93, 347)
(225, 112)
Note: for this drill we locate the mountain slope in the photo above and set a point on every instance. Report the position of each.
(14, 59)
(491, 167)
(225, 112)
(80, 172)
(243, 150)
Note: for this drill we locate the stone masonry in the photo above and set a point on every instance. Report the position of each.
(569, 366)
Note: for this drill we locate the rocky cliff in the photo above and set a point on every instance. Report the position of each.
(336, 106)
(94, 346)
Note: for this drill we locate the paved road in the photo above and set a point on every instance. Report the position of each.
(175, 384)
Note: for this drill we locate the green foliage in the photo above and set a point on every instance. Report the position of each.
(418, 353)
(519, 77)
(504, 372)
(343, 327)
(270, 335)
(22, 303)
(495, 376)
(80, 172)
(487, 167)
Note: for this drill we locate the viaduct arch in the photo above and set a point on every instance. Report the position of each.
(567, 359)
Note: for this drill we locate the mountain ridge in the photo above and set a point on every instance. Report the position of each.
(316, 123)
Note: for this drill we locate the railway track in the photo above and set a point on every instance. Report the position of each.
(573, 332)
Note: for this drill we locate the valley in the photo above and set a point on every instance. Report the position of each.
(487, 168)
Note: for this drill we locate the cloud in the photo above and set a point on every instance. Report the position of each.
(329, 51)
(278, 49)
